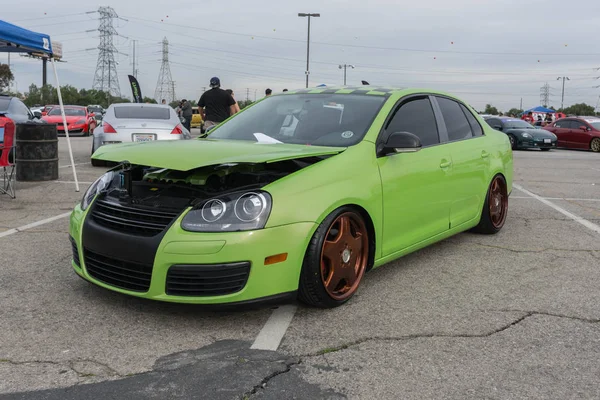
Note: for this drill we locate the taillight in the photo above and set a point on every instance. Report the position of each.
(178, 130)
(108, 128)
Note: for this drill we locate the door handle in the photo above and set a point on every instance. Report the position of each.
(445, 164)
(485, 154)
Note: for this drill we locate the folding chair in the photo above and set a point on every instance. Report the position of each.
(7, 162)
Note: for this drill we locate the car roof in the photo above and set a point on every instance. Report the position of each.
(507, 119)
(140, 105)
(364, 89)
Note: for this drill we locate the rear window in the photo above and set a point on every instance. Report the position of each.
(142, 112)
(4, 102)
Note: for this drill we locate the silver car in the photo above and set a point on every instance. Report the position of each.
(137, 122)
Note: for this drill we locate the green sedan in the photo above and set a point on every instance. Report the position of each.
(297, 196)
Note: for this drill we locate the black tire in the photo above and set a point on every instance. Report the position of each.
(513, 141)
(595, 145)
(487, 225)
(545, 149)
(312, 290)
(97, 163)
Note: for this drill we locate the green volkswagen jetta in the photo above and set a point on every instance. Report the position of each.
(298, 195)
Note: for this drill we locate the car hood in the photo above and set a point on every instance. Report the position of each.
(57, 119)
(185, 155)
(536, 133)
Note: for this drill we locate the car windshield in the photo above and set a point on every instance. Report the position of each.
(595, 124)
(336, 120)
(516, 123)
(94, 109)
(142, 112)
(69, 112)
(4, 102)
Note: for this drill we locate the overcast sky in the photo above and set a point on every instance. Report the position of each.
(484, 52)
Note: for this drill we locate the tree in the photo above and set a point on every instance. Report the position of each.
(579, 109)
(6, 76)
(244, 103)
(149, 100)
(489, 109)
(514, 112)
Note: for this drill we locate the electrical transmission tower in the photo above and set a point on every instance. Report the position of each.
(165, 87)
(545, 95)
(106, 78)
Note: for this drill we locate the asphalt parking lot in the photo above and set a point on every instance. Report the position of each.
(513, 315)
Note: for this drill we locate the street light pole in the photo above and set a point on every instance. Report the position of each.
(562, 100)
(345, 66)
(307, 72)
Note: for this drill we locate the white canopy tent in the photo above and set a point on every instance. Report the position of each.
(15, 39)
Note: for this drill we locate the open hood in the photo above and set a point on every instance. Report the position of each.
(185, 155)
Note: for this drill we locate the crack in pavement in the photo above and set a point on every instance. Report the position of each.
(70, 364)
(591, 251)
(526, 314)
(263, 383)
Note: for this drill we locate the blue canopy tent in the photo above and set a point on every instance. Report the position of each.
(540, 109)
(15, 39)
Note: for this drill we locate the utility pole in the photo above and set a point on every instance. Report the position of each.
(345, 66)
(106, 78)
(521, 106)
(562, 100)
(255, 94)
(316, 15)
(134, 61)
(247, 94)
(545, 95)
(165, 87)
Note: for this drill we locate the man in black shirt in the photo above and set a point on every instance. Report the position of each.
(215, 105)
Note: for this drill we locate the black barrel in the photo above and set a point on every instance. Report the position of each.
(37, 152)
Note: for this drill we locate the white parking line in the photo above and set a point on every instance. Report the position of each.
(67, 166)
(84, 183)
(272, 333)
(576, 218)
(553, 198)
(33, 224)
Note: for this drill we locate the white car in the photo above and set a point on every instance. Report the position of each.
(137, 122)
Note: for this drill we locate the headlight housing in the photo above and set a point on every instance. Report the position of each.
(98, 186)
(527, 135)
(241, 211)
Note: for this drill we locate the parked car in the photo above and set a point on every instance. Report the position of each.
(79, 120)
(13, 108)
(523, 135)
(259, 211)
(137, 122)
(196, 119)
(46, 109)
(577, 133)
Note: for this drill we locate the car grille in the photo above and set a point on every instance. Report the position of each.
(75, 251)
(207, 280)
(138, 221)
(119, 273)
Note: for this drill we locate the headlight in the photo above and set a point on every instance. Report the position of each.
(98, 186)
(527, 136)
(234, 212)
(80, 122)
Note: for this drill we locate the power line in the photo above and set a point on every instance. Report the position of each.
(165, 87)
(545, 95)
(106, 78)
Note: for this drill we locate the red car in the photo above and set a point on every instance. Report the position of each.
(577, 133)
(79, 120)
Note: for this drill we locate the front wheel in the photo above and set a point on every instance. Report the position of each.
(595, 145)
(545, 149)
(513, 142)
(495, 207)
(336, 260)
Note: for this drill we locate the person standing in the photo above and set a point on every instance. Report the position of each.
(186, 113)
(215, 105)
(268, 92)
(528, 117)
(237, 107)
(163, 101)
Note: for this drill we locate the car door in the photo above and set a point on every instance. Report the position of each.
(561, 129)
(580, 134)
(470, 160)
(416, 204)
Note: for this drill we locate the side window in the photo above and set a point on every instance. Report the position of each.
(475, 127)
(456, 122)
(494, 123)
(417, 117)
(577, 125)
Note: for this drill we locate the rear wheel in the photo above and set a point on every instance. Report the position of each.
(336, 260)
(545, 149)
(595, 145)
(495, 207)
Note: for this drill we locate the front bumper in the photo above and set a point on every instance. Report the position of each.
(72, 128)
(188, 249)
(536, 144)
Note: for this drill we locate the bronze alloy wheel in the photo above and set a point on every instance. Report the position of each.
(498, 202)
(344, 255)
(595, 145)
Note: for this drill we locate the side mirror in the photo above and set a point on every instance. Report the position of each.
(584, 128)
(497, 127)
(400, 142)
(37, 114)
(92, 115)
